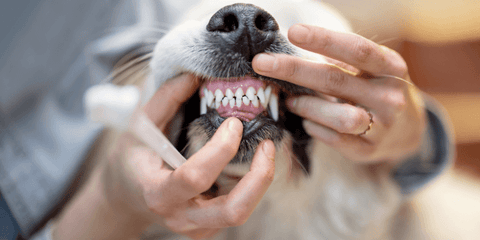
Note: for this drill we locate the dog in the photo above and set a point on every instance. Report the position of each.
(316, 193)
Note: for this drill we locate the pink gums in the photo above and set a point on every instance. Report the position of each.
(244, 112)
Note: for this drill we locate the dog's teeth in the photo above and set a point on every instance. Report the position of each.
(203, 106)
(205, 92)
(238, 101)
(268, 91)
(261, 96)
(229, 94)
(225, 101)
(218, 95)
(273, 107)
(217, 104)
(245, 100)
(251, 93)
(255, 102)
(232, 103)
(210, 98)
(239, 93)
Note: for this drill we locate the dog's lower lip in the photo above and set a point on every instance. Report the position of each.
(248, 127)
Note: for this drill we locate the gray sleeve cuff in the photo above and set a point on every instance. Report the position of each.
(435, 156)
(45, 233)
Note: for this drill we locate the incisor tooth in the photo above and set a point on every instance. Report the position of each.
(217, 104)
(203, 106)
(273, 106)
(255, 102)
(251, 93)
(245, 100)
(238, 101)
(239, 93)
(218, 95)
(232, 103)
(225, 101)
(229, 93)
(210, 98)
(261, 95)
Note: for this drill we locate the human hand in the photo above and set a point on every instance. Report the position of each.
(139, 184)
(395, 106)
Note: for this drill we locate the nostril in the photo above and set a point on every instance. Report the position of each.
(230, 23)
(226, 22)
(265, 22)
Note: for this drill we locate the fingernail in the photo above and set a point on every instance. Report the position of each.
(264, 62)
(234, 124)
(292, 102)
(269, 150)
(298, 33)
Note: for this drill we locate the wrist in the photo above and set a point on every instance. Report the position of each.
(90, 215)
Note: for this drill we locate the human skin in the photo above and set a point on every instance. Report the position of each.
(396, 106)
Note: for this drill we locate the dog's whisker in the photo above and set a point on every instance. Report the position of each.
(387, 40)
(126, 66)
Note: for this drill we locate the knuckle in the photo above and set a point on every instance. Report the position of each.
(195, 180)
(336, 79)
(235, 217)
(304, 106)
(363, 51)
(291, 68)
(321, 39)
(399, 64)
(351, 121)
(397, 100)
(336, 141)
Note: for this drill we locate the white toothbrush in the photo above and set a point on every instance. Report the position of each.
(118, 107)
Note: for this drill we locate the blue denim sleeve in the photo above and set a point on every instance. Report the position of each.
(435, 156)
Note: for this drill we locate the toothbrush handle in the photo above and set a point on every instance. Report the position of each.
(146, 131)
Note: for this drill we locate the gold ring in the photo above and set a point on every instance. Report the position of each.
(369, 125)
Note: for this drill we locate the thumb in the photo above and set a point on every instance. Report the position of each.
(169, 97)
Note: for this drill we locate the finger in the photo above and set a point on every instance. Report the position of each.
(169, 97)
(342, 117)
(349, 48)
(235, 208)
(202, 169)
(202, 233)
(324, 78)
(351, 146)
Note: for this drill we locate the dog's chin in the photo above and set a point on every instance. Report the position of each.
(255, 131)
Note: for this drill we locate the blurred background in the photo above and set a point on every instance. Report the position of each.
(440, 40)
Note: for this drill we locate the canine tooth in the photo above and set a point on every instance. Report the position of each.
(229, 93)
(224, 101)
(239, 93)
(251, 93)
(274, 106)
(268, 91)
(245, 100)
(238, 101)
(232, 103)
(218, 95)
(203, 106)
(210, 98)
(255, 102)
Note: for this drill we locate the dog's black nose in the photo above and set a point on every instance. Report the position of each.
(243, 28)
